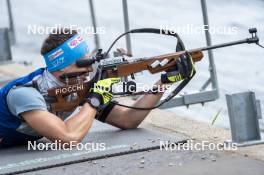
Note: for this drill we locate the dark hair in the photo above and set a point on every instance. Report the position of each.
(56, 38)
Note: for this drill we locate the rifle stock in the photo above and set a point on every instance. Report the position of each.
(61, 104)
(120, 70)
(124, 70)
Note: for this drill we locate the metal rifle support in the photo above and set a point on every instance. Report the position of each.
(212, 68)
(96, 37)
(12, 35)
(7, 37)
(126, 24)
(5, 47)
(203, 95)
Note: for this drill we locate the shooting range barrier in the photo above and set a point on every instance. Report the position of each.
(5, 50)
(11, 29)
(244, 114)
(117, 142)
(7, 37)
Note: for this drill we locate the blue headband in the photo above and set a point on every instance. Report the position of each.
(66, 54)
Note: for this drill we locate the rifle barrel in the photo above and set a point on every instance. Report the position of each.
(248, 40)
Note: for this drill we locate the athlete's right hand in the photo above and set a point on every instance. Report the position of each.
(102, 90)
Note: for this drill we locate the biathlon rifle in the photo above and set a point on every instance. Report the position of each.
(124, 66)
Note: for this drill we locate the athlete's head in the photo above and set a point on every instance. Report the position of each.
(62, 48)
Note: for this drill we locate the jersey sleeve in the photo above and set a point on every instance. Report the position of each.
(23, 99)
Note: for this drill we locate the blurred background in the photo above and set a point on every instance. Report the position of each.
(239, 68)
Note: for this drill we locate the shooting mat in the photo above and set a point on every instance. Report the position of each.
(117, 142)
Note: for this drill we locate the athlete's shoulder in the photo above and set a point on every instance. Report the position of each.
(21, 99)
(25, 92)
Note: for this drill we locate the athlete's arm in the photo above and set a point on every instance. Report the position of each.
(126, 118)
(28, 104)
(53, 128)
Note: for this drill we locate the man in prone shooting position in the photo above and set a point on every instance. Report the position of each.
(25, 114)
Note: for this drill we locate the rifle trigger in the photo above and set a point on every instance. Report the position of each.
(132, 76)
